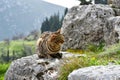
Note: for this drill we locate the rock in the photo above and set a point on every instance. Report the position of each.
(115, 22)
(116, 3)
(88, 24)
(33, 68)
(110, 72)
(117, 11)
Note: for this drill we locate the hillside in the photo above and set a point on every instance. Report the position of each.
(22, 16)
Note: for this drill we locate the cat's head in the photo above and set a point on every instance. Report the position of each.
(56, 37)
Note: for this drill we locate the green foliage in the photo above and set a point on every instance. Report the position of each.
(110, 55)
(53, 23)
(111, 50)
(96, 48)
(17, 49)
(67, 68)
(75, 63)
(84, 2)
(3, 69)
(90, 60)
(19, 45)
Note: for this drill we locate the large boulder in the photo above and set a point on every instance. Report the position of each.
(33, 68)
(110, 72)
(88, 24)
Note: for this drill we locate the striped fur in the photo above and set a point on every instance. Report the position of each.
(49, 44)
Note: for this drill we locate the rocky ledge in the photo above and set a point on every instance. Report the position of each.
(33, 68)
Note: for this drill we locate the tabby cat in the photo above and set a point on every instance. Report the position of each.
(49, 45)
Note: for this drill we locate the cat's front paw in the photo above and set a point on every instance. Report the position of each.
(57, 55)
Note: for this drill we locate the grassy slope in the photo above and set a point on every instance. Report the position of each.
(16, 45)
(109, 55)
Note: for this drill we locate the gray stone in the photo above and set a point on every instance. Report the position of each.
(110, 72)
(33, 68)
(117, 11)
(115, 22)
(116, 3)
(88, 24)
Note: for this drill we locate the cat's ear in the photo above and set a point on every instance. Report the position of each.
(58, 31)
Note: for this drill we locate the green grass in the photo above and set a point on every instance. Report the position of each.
(16, 45)
(111, 50)
(77, 51)
(75, 63)
(3, 69)
(96, 55)
(17, 49)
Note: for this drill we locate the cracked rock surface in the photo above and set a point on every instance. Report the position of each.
(88, 24)
(33, 68)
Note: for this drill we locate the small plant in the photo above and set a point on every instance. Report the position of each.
(111, 50)
(96, 48)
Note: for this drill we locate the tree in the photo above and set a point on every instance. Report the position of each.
(84, 2)
(7, 43)
(53, 23)
(65, 12)
(101, 1)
